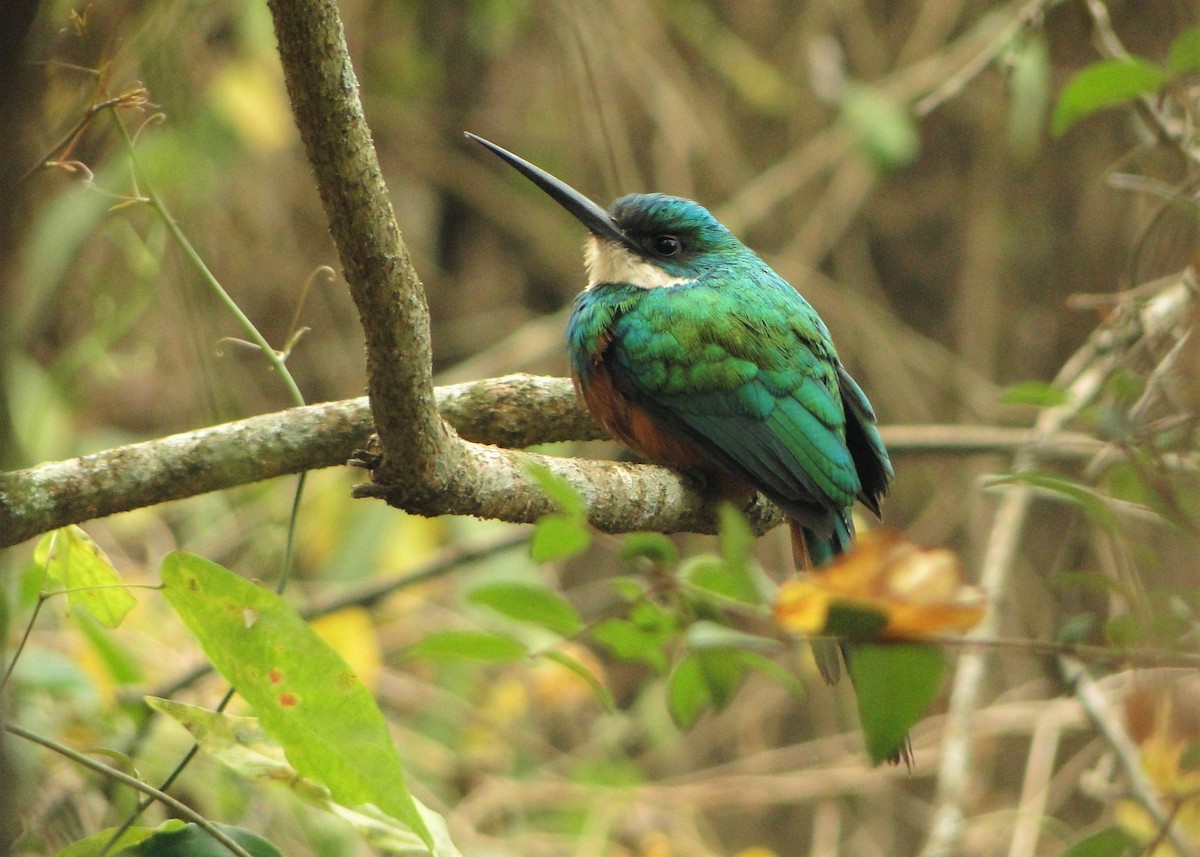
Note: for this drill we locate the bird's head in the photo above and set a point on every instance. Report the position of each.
(646, 239)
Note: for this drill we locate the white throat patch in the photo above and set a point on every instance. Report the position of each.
(611, 263)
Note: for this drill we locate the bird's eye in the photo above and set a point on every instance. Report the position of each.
(666, 245)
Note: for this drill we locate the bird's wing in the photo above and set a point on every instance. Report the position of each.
(755, 386)
(866, 446)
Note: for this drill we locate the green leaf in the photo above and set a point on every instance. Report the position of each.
(1029, 84)
(1037, 393)
(55, 673)
(304, 694)
(762, 664)
(733, 575)
(894, 685)
(655, 547)
(608, 773)
(530, 602)
(1105, 84)
(1076, 629)
(191, 841)
(77, 564)
(687, 693)
(1124, 632)
(854, 622)
(1125, 385)
(628, 589)
(711, 635)
(243, 746)
(1183, 57)
(651, 617)
(474, 645)
(558, 489)
(239, 743)
(627, 640)
(1085, 581)
(1093, 504)
(558, 537)
(1110, 842)
(734, 536)
(885, 128)
(717, 576)
(724, 671)
(574, 665)
(92, 845)
(1189, 759)
(122, 667)
(711, 677)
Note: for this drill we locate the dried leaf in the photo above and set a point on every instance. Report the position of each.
(886, 588)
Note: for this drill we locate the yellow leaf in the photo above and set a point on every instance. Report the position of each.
(1136, 820)
(352, 634)
(916, 592)
(507, 702)
(250, 96)
(555, 688)
(656, 844)
(85, 573)
(1160, 715)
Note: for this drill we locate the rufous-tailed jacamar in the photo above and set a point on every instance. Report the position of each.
(691, 350)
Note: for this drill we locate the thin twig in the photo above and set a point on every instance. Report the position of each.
(181, 809)
(1026, 16)
(1039, 768)
(135, 98)
(143, 730)
(1082, 378)
(1143, 658)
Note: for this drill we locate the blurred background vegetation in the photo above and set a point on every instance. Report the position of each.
(931, 218)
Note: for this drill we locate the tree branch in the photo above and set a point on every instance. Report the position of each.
(513, 411)
(418, 451)
(517, 410)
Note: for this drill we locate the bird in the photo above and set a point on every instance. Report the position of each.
(691, 350)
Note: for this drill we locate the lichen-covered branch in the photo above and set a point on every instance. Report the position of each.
(51, 495)
(514, 411)
(418, 450)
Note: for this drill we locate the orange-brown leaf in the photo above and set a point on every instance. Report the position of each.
(918, 592)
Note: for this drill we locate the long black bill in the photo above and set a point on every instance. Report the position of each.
(595, 218)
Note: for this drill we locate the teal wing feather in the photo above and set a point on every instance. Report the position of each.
(866, 446)
(755, 385)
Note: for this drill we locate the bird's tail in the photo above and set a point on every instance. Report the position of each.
(811, 552)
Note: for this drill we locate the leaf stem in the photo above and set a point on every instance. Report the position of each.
(193, 257)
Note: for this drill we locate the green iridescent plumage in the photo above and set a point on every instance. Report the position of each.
(690, 348)
(768, 401)
(733, 359)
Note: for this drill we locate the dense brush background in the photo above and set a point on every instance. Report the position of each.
(943, 253)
